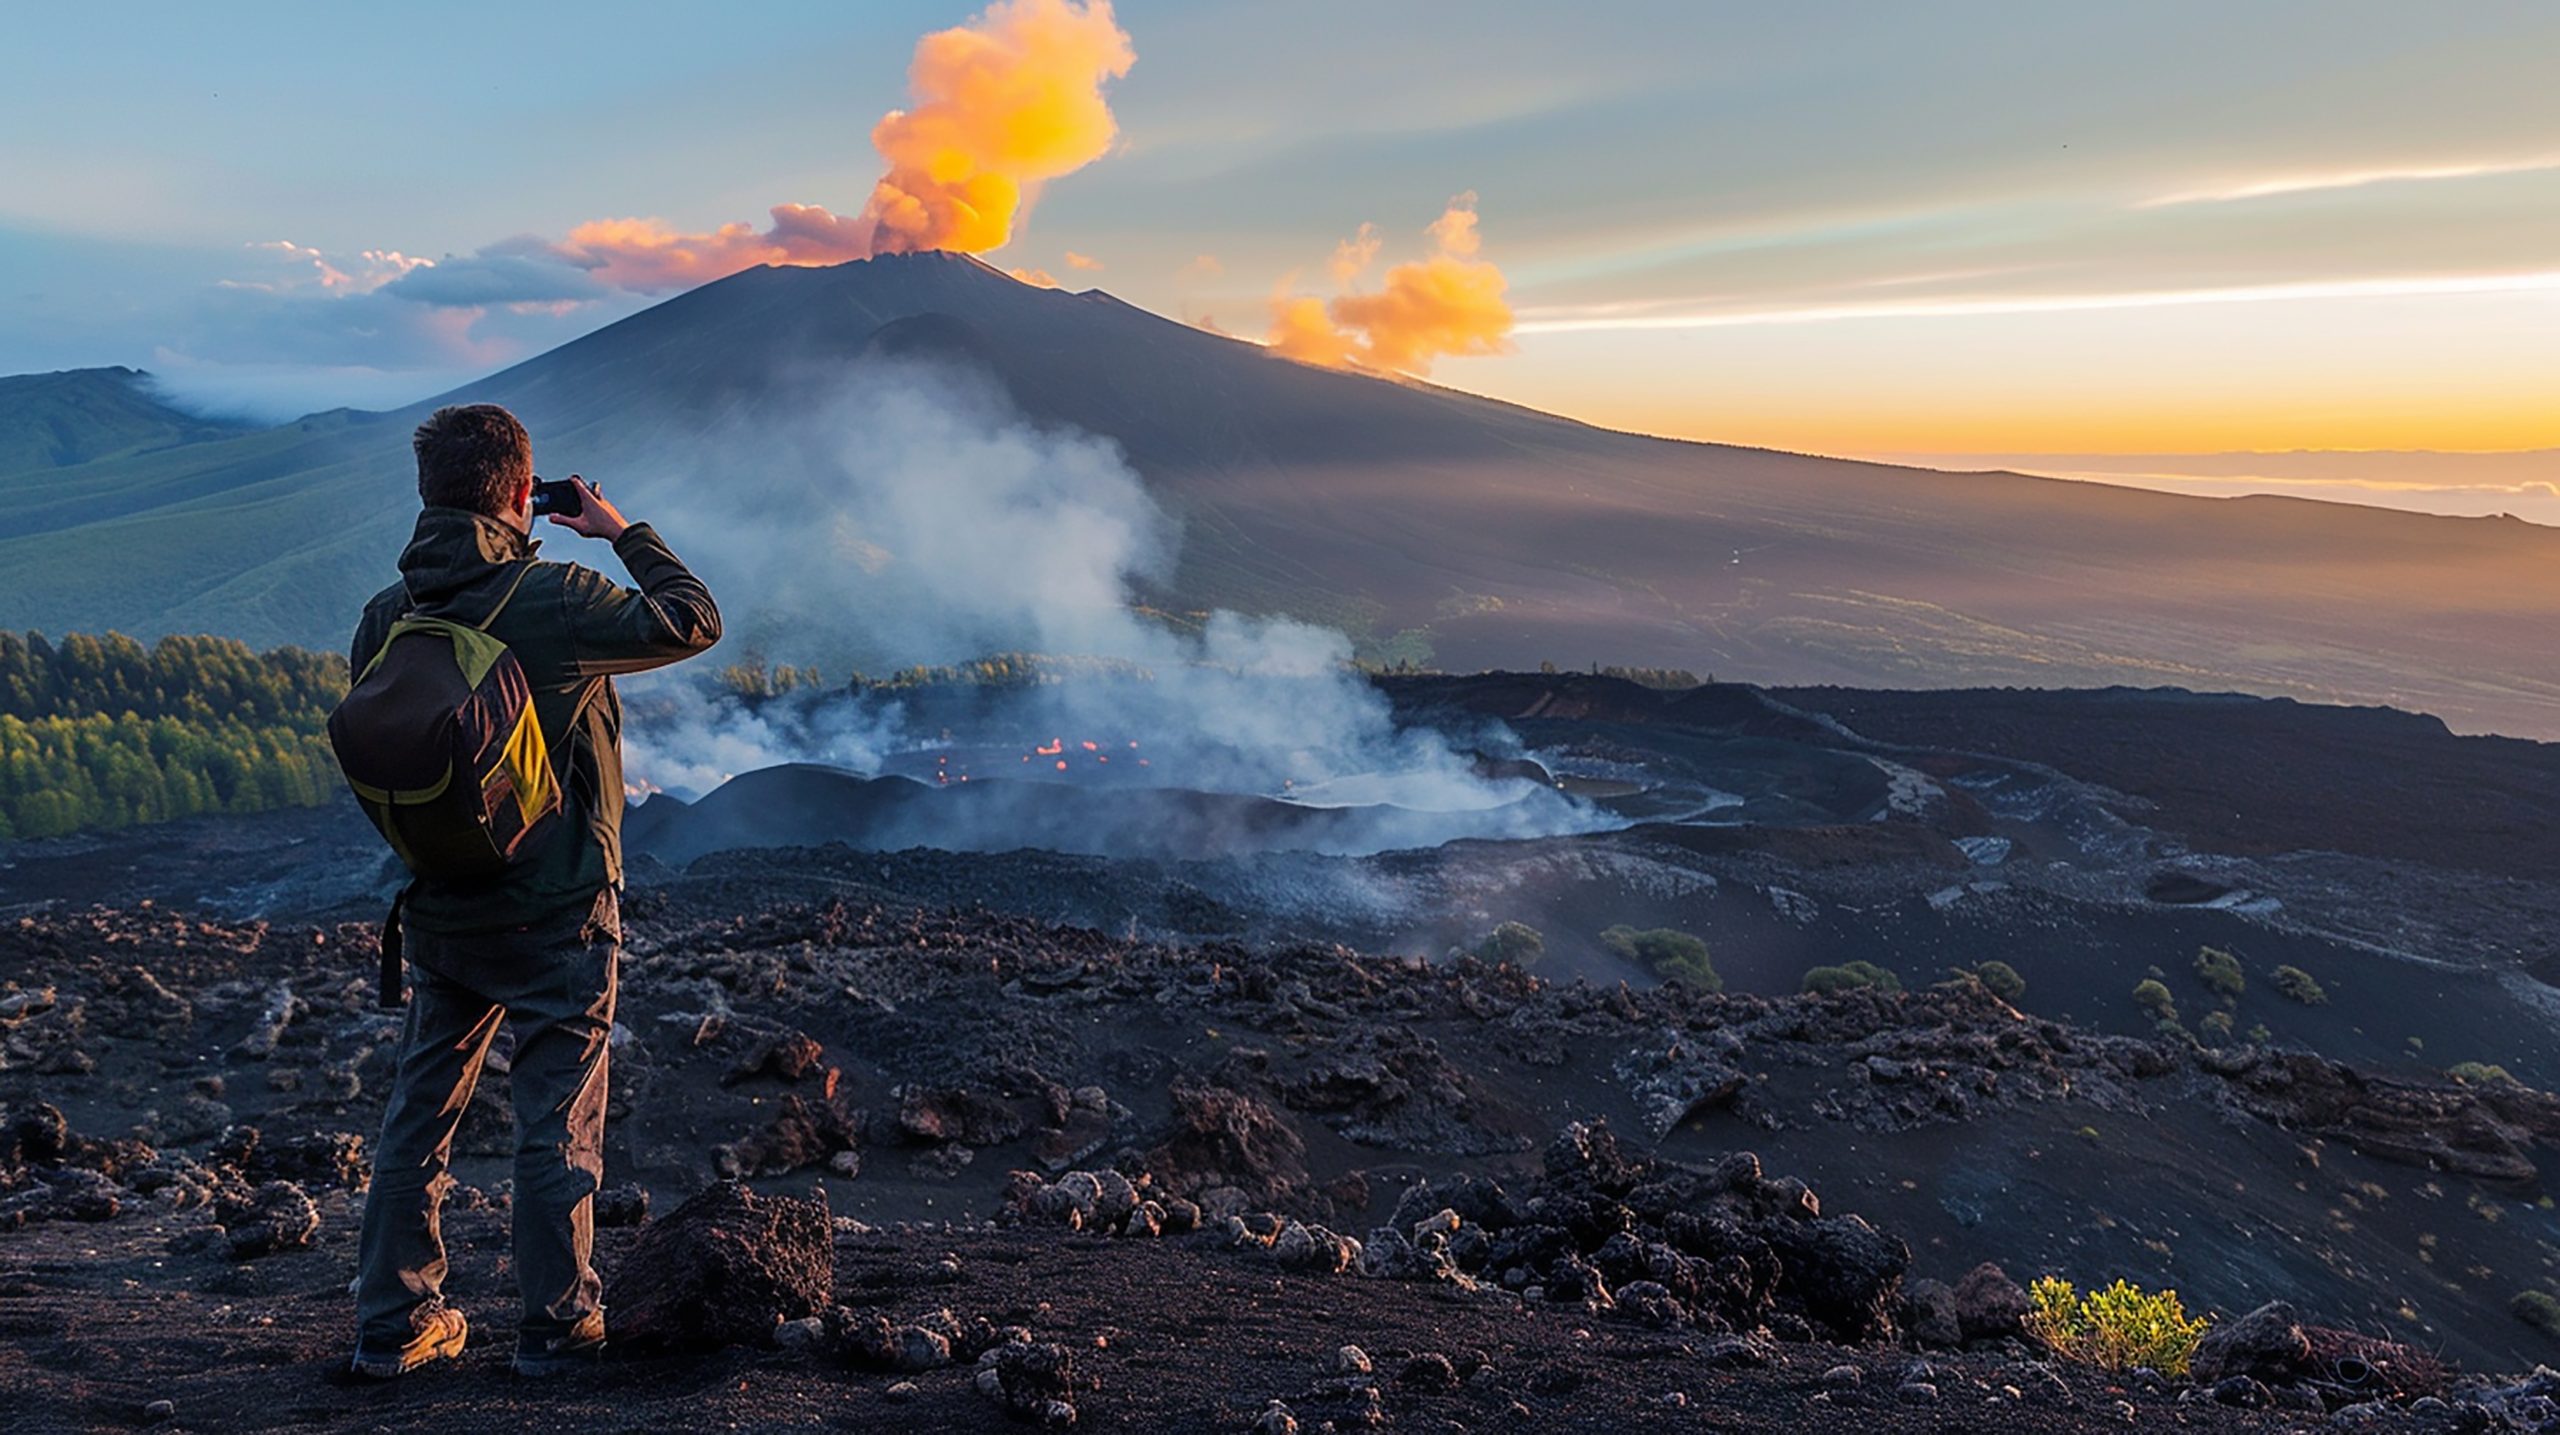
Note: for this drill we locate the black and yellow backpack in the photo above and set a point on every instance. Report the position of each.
(440, 744)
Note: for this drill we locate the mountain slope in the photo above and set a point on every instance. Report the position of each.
(76, 416)
(1420, 518)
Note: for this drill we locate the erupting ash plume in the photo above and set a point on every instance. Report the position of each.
(1002, 104)
(1449, 304)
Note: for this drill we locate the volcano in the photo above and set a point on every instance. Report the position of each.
(1427, 523)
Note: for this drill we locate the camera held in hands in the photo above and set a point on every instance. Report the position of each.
(560, 497)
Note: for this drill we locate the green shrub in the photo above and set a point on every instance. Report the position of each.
(2002, 979)
(2220, 972)
(2216, 1024)
(2153, 997)
(2478, 1073)
(2537, 1309)
(1824, 981)
(2299, 985)
(2117, 1328)
(1515, 942)
(1674, 956)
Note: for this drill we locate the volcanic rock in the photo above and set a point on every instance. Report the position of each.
(1303, 1247)
(2267, 1343)
(1845, 1272)
(723, 1269)
(1930, 1315)
(278, 1216)
(957, 1115)
(1989, 1305)
(1034, 1381)
(626, 1204)
(2485, 1132)
(786, 1056)
(1223, 1145)
(802, 1132)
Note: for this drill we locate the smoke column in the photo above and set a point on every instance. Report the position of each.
(902, 512)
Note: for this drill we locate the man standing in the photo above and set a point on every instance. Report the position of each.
(537, 946)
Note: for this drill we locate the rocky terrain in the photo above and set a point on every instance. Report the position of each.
(1005, 1135)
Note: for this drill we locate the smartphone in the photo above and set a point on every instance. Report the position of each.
(560, 497)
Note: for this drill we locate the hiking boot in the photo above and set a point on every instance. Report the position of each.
(440, 1334)
(579, 1348)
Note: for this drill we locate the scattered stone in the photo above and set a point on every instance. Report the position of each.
(902, 1390)
(2267, 1343)
(1429, 1371)
(806, 1334)
(1737, 1352)
(1314, 1249)
(623, 1205)
(1035, 1381)
(722, 1269)
(1351, 1360)
(787, 1056)
(1989, 1305)
(266, 1033)
(278, 1216)
(1930, 1315)
(1843, 1377)
(159, 1410)
(1276, 1419)
(918, 1349)
(2245, 1391)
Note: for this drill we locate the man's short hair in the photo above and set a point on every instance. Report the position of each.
(472, 456)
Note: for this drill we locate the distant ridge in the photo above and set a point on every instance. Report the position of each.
(1428, 523)
(76, 416)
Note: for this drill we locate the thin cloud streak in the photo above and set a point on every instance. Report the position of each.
(1571, 321)
(2352, 179)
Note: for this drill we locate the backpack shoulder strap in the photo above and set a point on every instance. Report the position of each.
(524, 570)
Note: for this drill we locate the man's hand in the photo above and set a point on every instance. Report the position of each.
(596, 518)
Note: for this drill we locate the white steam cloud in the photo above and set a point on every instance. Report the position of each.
(904, 512)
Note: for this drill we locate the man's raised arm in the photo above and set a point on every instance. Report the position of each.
(613, 629)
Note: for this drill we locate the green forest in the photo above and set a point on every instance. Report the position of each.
(101, 732)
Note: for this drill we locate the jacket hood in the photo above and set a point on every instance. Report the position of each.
(460, 563)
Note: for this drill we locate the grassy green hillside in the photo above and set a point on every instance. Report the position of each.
(77, 416)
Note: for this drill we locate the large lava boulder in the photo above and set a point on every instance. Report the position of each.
(1847, 1274)
(723, 1269)
(2267, 1344)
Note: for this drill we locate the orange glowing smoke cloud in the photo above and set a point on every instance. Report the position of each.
(1448, 304)
(1002, 104)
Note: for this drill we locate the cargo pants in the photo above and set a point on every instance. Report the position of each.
(554, 985)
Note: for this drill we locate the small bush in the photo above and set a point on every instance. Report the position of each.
(1674, 956)
(2261, 1034)
(1515, 942)
(2478, 1073)
(2002, 979)
(1824, 981)
(2154, 998)
(2216, 1024)
(2537, 1309)
(2220, 972)
(2299, 985)
(2115, 1329)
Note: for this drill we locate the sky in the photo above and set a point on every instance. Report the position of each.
(2054, 237)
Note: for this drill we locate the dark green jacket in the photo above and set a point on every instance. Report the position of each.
(572, 628)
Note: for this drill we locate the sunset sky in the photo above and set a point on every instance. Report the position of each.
(1874, 229)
